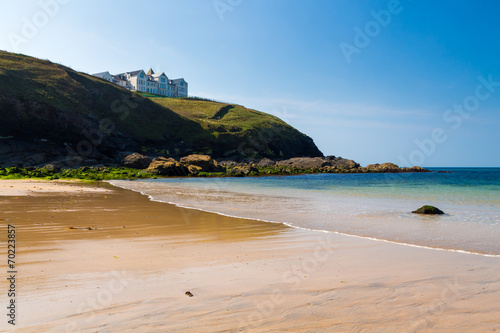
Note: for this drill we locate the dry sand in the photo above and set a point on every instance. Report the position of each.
(130, 272)
(21, 187)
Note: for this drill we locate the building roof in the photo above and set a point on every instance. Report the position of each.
(158, 75)
(101, 74)
(133, 73)
(151, 72)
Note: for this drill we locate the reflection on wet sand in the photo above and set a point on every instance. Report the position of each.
(44, 218)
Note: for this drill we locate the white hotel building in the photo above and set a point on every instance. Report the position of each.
(148, 82)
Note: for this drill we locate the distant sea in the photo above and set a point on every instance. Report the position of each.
(376, 206)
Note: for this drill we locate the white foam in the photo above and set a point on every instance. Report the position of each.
(122, 184)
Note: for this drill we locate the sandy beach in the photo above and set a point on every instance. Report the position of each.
(94, 258)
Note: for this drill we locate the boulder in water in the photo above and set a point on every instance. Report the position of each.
(430, 210)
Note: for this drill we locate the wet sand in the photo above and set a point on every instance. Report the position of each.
(100, 259)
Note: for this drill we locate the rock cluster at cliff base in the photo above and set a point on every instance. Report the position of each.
(204, 164)
(318, 162)
(137, 161)
(167, 167)
(191, 164)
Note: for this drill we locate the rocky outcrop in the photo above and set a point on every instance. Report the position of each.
(429, 210)
(52, 168)
(414, 169)
(384, 167)
(192, 164)
(330, 162)
(296, 165)
(391, 168)
(137, 161)
(340, 162)
(201, 163)
(167, 167)
(303, 162)
(240, 171)
(266, 162)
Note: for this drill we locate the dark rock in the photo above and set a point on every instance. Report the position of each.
(414, 169)
(240, 171)
(228, 163)
(328, 162)
(167, 167)
(52, 168)
(194, 169)
(341, 162)
(136, 161)
(93, 162)
(303, 162)
(265, 162)
(428, 210)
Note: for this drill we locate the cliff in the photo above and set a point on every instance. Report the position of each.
(51, 113)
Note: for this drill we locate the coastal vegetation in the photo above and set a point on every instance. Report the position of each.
(83, 173)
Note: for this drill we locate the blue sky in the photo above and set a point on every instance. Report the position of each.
(408, 82)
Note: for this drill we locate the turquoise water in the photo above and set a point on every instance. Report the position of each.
(376, 206)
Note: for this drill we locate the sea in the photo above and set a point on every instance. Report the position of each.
(377, 206)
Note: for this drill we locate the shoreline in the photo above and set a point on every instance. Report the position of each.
(244, 274)
(290, 225)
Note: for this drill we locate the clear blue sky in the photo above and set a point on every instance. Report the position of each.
(409, 94)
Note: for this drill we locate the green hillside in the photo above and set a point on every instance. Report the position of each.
(49, 110)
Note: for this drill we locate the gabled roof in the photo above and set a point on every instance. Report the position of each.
(136, 73)
(101, 74)
(151, 72)
(118, 78)
(133, 73)
(158, 75)
(178, 80)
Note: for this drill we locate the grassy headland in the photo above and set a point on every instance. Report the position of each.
(48, 110)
